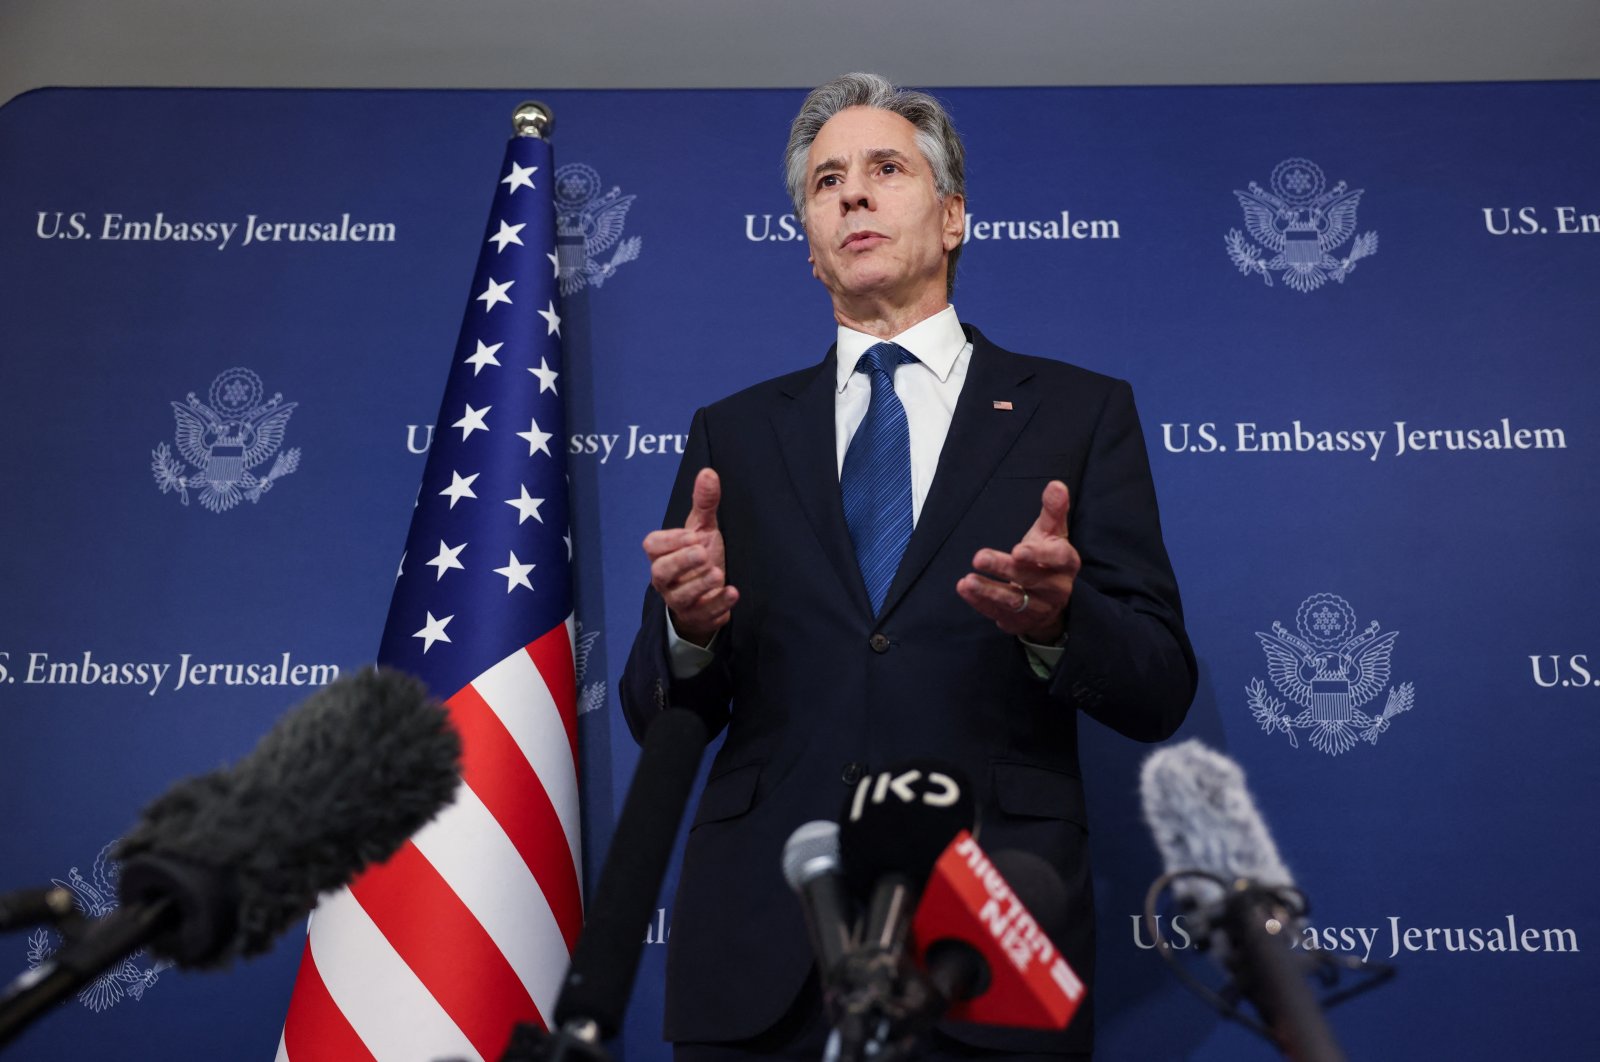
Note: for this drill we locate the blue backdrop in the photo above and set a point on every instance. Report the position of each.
(1379, 412)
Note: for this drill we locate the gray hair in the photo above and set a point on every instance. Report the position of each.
(935, 135)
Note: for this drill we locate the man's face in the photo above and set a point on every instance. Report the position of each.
(877, 228)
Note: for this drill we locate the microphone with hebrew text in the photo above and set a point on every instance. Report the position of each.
(1222, 864)
(891, 832)
(222, 863)
(982, 935)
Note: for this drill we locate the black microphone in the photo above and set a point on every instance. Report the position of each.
(811, 867)
(222, 863)
(594, 996)
(1226, 866)
(892, 830)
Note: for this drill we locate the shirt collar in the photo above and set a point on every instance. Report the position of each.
(936, 341)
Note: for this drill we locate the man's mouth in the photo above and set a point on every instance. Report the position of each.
(856, 238)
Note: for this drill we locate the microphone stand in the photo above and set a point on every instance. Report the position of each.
(1251, 927)
(31, 907)
(884, 1008)
(577, 1040)
(1258, 922)
(33, 993)
(605, 958)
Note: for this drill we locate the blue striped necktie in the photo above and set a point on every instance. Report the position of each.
(876, 479)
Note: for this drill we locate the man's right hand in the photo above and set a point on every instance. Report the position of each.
(688, 566)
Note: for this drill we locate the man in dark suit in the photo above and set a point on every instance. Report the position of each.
(872, 559)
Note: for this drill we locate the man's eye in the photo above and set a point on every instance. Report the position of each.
(889, 167)
(828, 181)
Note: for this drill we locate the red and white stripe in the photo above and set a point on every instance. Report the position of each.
(468, 929)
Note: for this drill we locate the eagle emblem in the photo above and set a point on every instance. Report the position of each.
(223, 440)
(591, 695)
(1330, 670)
(589, 224)
(95, 897)
(1301, 222)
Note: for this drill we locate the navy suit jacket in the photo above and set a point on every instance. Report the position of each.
(813, 689)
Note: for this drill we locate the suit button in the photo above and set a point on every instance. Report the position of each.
(852, 773)
(879, 642)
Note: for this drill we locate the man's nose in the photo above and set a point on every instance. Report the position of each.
(855, 194)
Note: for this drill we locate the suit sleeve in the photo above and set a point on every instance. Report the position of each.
(1128, 662)
(647, 687)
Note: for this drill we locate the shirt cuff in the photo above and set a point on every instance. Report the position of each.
(685, 659)
(1042, 658)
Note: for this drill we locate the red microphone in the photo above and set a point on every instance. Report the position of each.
(983, 950)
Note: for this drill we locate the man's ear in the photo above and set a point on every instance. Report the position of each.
(955, 220)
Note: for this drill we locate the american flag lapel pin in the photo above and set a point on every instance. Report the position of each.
(1001, 403)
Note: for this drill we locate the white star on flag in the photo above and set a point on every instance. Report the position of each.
(519, 177)
(547, 377)
(447, 559)
(496, 293)
(537, 440)
(472, 420)
(484, 355)
(526, 505)
(507, 235)
(516, 573)
(433, 631)
(459, 488)
(551, 318)
(555, 264)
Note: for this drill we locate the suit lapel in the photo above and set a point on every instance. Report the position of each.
(980, 435)
(810, 453)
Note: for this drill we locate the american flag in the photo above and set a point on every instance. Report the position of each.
(468, 929)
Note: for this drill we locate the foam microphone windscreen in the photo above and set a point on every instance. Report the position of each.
(898, 821)
(1202, 817)
(339, 783)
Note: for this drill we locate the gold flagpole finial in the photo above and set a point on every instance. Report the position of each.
(532, 118)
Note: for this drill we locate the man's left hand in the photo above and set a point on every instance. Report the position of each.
(1025, 592)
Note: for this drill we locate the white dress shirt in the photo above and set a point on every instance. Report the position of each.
(927, 388)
